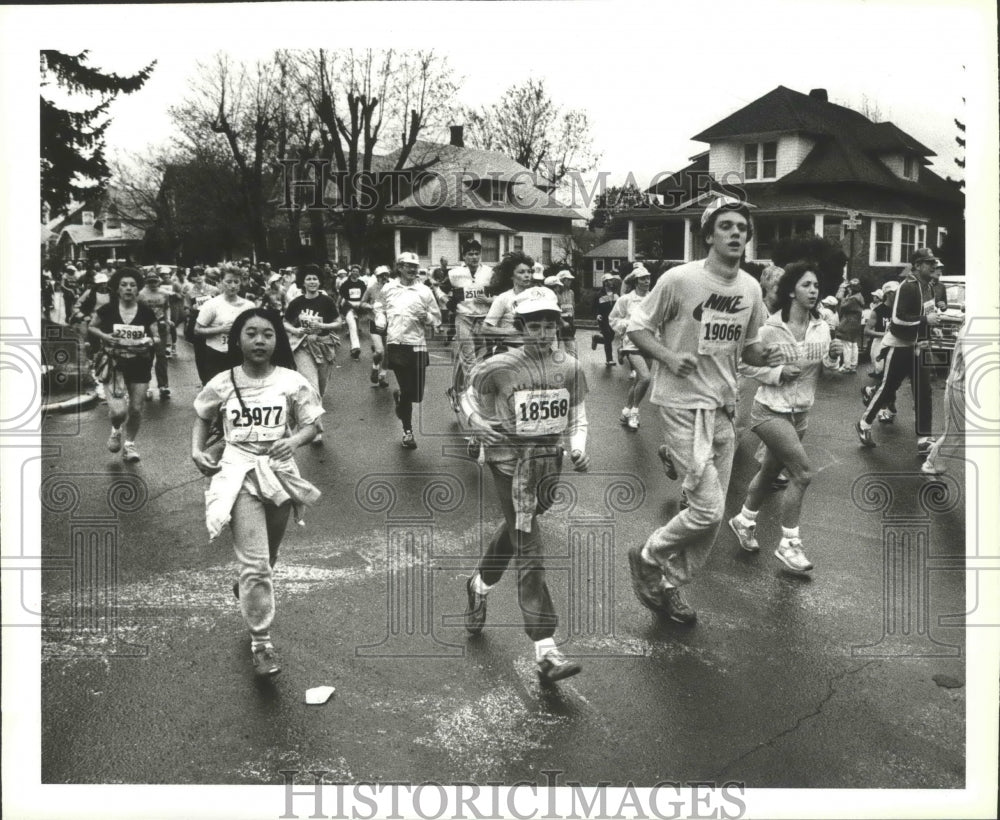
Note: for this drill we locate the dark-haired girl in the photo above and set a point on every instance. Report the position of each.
(268, 410)
(781, 406)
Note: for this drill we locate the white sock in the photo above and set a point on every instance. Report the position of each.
(543, 646)
(127, 442)
(479, 586)
(789, 534)
(748, 517)
(864, 425)
(924, 440)
(626, 410)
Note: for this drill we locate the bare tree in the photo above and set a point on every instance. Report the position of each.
(528, 126)
(241, 105)
(368, 99)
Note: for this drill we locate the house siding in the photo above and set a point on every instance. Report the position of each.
(725, 157)
(792, 150)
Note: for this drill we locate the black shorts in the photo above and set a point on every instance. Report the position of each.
(376, 331)
(567, 329)
(136, 370)
(410, 367)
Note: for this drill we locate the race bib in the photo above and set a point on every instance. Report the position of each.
(354, 294)
(308, 318)
(541, 412)
(200, 300)
(128, 335)
(259, 419)
(380, 319)
(720, 333)
(473, 293)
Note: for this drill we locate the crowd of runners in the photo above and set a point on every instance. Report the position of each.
(265, 345)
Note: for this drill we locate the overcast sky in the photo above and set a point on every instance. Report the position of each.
(649, 76)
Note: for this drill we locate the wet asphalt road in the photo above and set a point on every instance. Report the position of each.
(836, 680)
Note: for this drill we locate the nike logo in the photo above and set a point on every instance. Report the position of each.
(723, 304)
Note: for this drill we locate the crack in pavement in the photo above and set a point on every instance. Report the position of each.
(832, 688)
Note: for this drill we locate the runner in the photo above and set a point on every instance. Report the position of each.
(159, 302)
(604, 301)
(350, 293)
(512, 277)
(948, 443)
(310, 321)
(178, 281)
(781, 407)
(469, 283)
(196, 293)
(374, 303)
(521, 403)
(410, 307)
(127, 330)
(268, 410)
(913, 315)
(96, 296)
(707, 314)
(567, 305)
(638, 283)
(215, 320)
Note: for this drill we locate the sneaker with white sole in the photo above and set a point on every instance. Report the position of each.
(115, 440)
(129, 453)
(475, 611)
(409, 442)
(623, 417)
(633, 420)
(554, 666)
(792, 556)
(864, 436)
(886, 416)
(930, 468)
(647, 579)
(746, 534)
(924, 447)
(265, 662)
(676, 608)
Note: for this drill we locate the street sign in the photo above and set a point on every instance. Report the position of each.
(852, 224)
(853, 214)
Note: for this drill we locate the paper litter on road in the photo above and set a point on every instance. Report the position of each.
(319, 694)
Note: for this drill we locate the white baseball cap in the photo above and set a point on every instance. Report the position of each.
(565, 274)
(829, 301)
(408, 258)
(382, 270)
(720, 202)
(552, 280)
(536, 300)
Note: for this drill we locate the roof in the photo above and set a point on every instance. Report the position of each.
(79, 234)
(612, 249)
(447, 168)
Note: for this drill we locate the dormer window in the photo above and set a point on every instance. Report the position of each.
(909, 168)
(88, 218)
(760, 160)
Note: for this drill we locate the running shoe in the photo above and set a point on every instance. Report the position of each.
(149, 394)
(475, 612)
(780, 482)
(791, 556)
(610, 363)
(866, 394)
(317, 440)
(373, 376)
(647, 579)
(930, 468)
(265, 662)
(886, 416)
(747, 535)
(383, 380)
(554, 666)
(668, 462)
(115, 440)
(924, 446)
(676, 608)
(623, 417)
(164, 393)
(595, 341)
(409, 442)
(633, 420)
(452, 399)
(129, 453)
(864, 436)
(355, 352)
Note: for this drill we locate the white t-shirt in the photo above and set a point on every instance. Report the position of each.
(219, 311)
(471, 289)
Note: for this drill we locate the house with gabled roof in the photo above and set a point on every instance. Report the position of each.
(107, 227)
(809, 166)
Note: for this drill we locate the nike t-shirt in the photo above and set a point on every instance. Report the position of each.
(693, 310)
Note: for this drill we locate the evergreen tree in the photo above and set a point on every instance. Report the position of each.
(72, 142)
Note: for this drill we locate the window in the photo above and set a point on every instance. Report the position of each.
(921, 236)
(616, 264)
(941, 234)
(491, 248)
(770, 230)
(305, 238)
(908, 241)
(760, 160)
(462, 239)
(598, 266)
(909, 170)
(883, 242)
(88, 218)
(414, 241)
(518, 244)
(546, 250)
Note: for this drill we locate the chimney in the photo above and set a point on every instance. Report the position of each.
(819, 94)
(456, 136)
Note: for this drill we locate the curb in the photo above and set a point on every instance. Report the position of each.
(84, 402)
